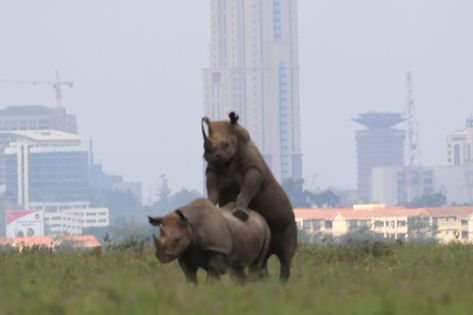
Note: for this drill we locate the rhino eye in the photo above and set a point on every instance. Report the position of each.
(225, 145)
(177, 240)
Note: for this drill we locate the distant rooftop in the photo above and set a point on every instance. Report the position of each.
(19, 110)
(43, 135)
(379, 120)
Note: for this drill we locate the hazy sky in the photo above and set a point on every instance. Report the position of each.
(137, 68)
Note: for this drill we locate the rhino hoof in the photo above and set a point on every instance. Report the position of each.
(240, 214)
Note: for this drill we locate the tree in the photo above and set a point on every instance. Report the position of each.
(301, 198)
(174, 201)
(432, 201)
(326, 199)
(294, 189)
(164, 191)
(121, 204)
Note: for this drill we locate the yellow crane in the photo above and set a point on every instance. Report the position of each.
(57, 84)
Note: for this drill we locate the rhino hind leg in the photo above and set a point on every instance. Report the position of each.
(286, 250)
(259, 268)
(283, 245)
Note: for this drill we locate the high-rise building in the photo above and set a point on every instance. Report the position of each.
(254, 70)
(37, 117)
(32, 117)
(460, 145)
(377, 146)
(45, 166)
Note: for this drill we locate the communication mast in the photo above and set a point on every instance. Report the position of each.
(412, 139)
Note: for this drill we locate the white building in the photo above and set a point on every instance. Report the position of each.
(455, 182)
(389, 185)
(254, 70)
(71, 218)
(460, 145)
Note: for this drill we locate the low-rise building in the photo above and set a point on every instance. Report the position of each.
(72, 219)
(444, 224)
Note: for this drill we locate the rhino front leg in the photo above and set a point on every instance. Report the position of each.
(212, 187)
(238, 274)
(189, 269)
(251, 185)
(216, 265)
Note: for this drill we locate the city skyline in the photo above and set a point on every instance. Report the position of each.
(123, 60)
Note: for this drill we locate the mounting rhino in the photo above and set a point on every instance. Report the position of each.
(236, 172)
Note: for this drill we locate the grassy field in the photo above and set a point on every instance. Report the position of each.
(357, 278)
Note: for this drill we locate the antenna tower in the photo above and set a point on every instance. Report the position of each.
(412, 141)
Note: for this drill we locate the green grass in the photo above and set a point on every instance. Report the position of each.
(357, 278)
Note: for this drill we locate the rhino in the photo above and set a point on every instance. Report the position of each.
(237, 172)
(200, 235)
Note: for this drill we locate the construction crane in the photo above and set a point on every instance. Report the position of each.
(55, 84)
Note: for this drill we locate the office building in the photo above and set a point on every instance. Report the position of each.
(45, 166)
(379, 145)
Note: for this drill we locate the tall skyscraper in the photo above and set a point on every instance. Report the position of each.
(377, 146)
(254, 70)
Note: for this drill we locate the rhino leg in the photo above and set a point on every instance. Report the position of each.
(216, 265)
(259, 268)
(258, 271)
(238, 274)
(189, 269)
(285, 252)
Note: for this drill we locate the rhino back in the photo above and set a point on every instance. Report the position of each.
(250, 238)
(209, 228)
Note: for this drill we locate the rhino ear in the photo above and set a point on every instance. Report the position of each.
(156, 221)
(233, 118)
(206, 120)
(183, 220)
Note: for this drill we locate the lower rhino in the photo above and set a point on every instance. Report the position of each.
(200, 235)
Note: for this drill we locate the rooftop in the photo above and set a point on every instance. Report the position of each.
(379, 120)
(43, 135)
(353, 214)
(27, 110)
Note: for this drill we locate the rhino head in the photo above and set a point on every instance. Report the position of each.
(174, 238)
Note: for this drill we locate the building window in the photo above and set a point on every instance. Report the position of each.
(328, 224)
(277, 19)
(379, 224)
(216, 76)
(283, 122)
(456, 154)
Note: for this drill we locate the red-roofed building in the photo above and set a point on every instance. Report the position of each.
(34, 241)
(5, 241)
(445, 224)
(81, 241)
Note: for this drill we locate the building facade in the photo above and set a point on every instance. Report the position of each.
(380, 144)
(45, 166)
(460, 145)
(445, 224)
(389, 185)
(37, 117)
(61, 220)
(254, 70)
(455, 182)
